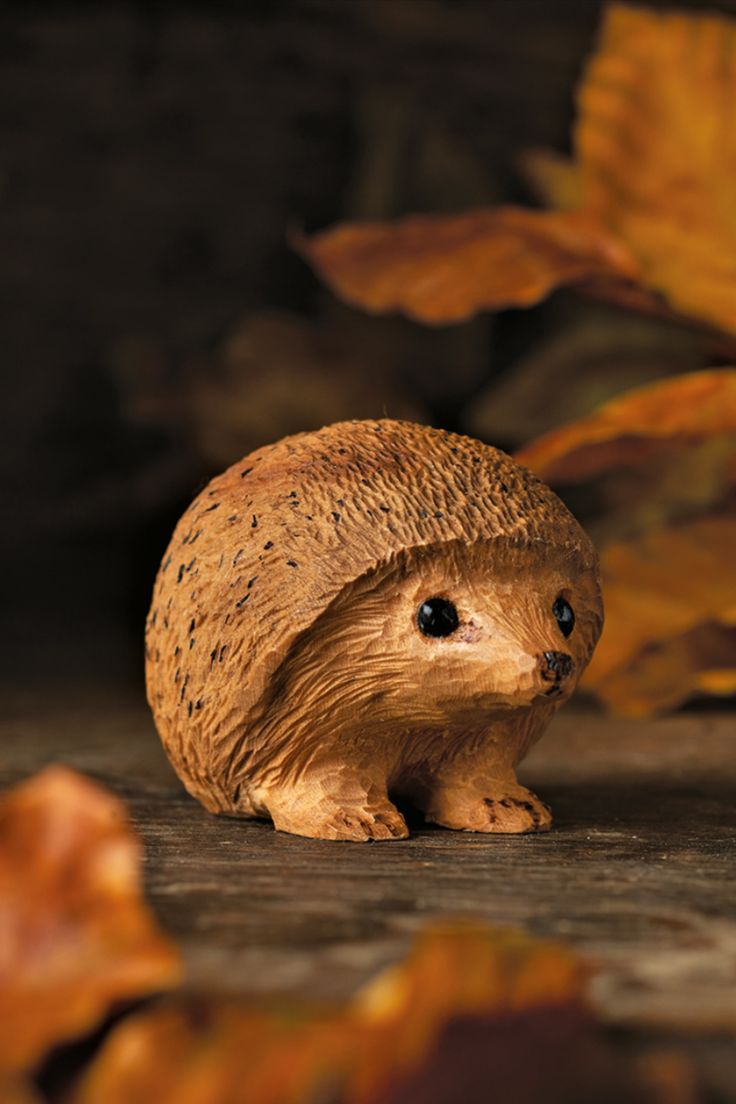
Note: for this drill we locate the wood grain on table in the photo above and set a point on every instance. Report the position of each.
(639, 871)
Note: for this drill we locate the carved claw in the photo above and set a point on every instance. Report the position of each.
(498, 808)
(364, 825)
(347, 822)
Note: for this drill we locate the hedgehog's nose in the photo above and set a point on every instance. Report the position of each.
(557, 665)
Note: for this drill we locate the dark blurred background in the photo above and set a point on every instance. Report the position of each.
(156, 325)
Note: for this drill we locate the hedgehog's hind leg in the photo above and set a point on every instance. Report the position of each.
(348, 812)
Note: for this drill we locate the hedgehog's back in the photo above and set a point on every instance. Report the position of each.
(266, 547)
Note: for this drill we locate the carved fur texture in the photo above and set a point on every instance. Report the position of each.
(285, 669)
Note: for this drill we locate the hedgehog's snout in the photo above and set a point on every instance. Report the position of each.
(556, 668)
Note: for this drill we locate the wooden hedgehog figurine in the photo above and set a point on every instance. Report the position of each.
(371, 612)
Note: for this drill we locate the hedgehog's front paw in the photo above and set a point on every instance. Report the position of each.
(364, 824)
(497, 807)
(343, 822)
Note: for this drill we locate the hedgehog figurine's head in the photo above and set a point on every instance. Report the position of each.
(456, 632)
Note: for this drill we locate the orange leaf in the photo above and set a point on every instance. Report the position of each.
(662, 676)
(658, 587)
(656, 144)
(445, 268)
(75, 936)
(462, 1013)
(223, 1051)
(656, 226)
(631, 429)
(217, 1053)
(455, 970)
(16, 1091)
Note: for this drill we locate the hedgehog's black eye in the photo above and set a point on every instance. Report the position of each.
(564, 615)
(437, 617)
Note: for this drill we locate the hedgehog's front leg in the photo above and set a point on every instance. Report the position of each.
(487, 805)
(335, 806)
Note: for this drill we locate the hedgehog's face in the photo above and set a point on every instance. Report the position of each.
(486, 630)
(468, 631)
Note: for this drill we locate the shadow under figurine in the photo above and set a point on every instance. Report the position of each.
(375, 610)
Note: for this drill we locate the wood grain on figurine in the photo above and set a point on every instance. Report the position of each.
(374, 612)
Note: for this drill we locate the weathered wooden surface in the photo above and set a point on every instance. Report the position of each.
(639, 871)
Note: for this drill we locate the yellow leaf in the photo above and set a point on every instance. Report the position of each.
(221, 1052)
(656, 144)
(662, 676)
(656, 225)
(633, 428)
(658, 587)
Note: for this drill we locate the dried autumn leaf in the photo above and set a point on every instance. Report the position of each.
(553, 178)
(596, 354)
(227, 1052)
(75, 936)
(656, 146)
(13, 1090)
(629, 431)
(659, 587)
(456, 970)
(660, 453)
(440, 269)
(217, 1054)
(664, 675)
(493, 994)
(488, 1058)
(656, 227)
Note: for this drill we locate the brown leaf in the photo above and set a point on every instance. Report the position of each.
(440, 269)
(210, 1053)
(659, 587)
(14, 1090)
(592, 356)
(656, 227)
(454, 970)
(217, 1053)
(463, 1010)
(75, 936)
(663, 675)
(487, 1058)
(657, 146)
(630, 430)
(664, 458)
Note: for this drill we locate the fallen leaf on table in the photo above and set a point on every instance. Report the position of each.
(456, 970)
(217, 1053)
(75, 935)
(656, 226)
(661, 590)
(632, 429)
(461, 1010)
(540, 1056)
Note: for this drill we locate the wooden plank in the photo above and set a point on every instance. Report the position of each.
(638, 872)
